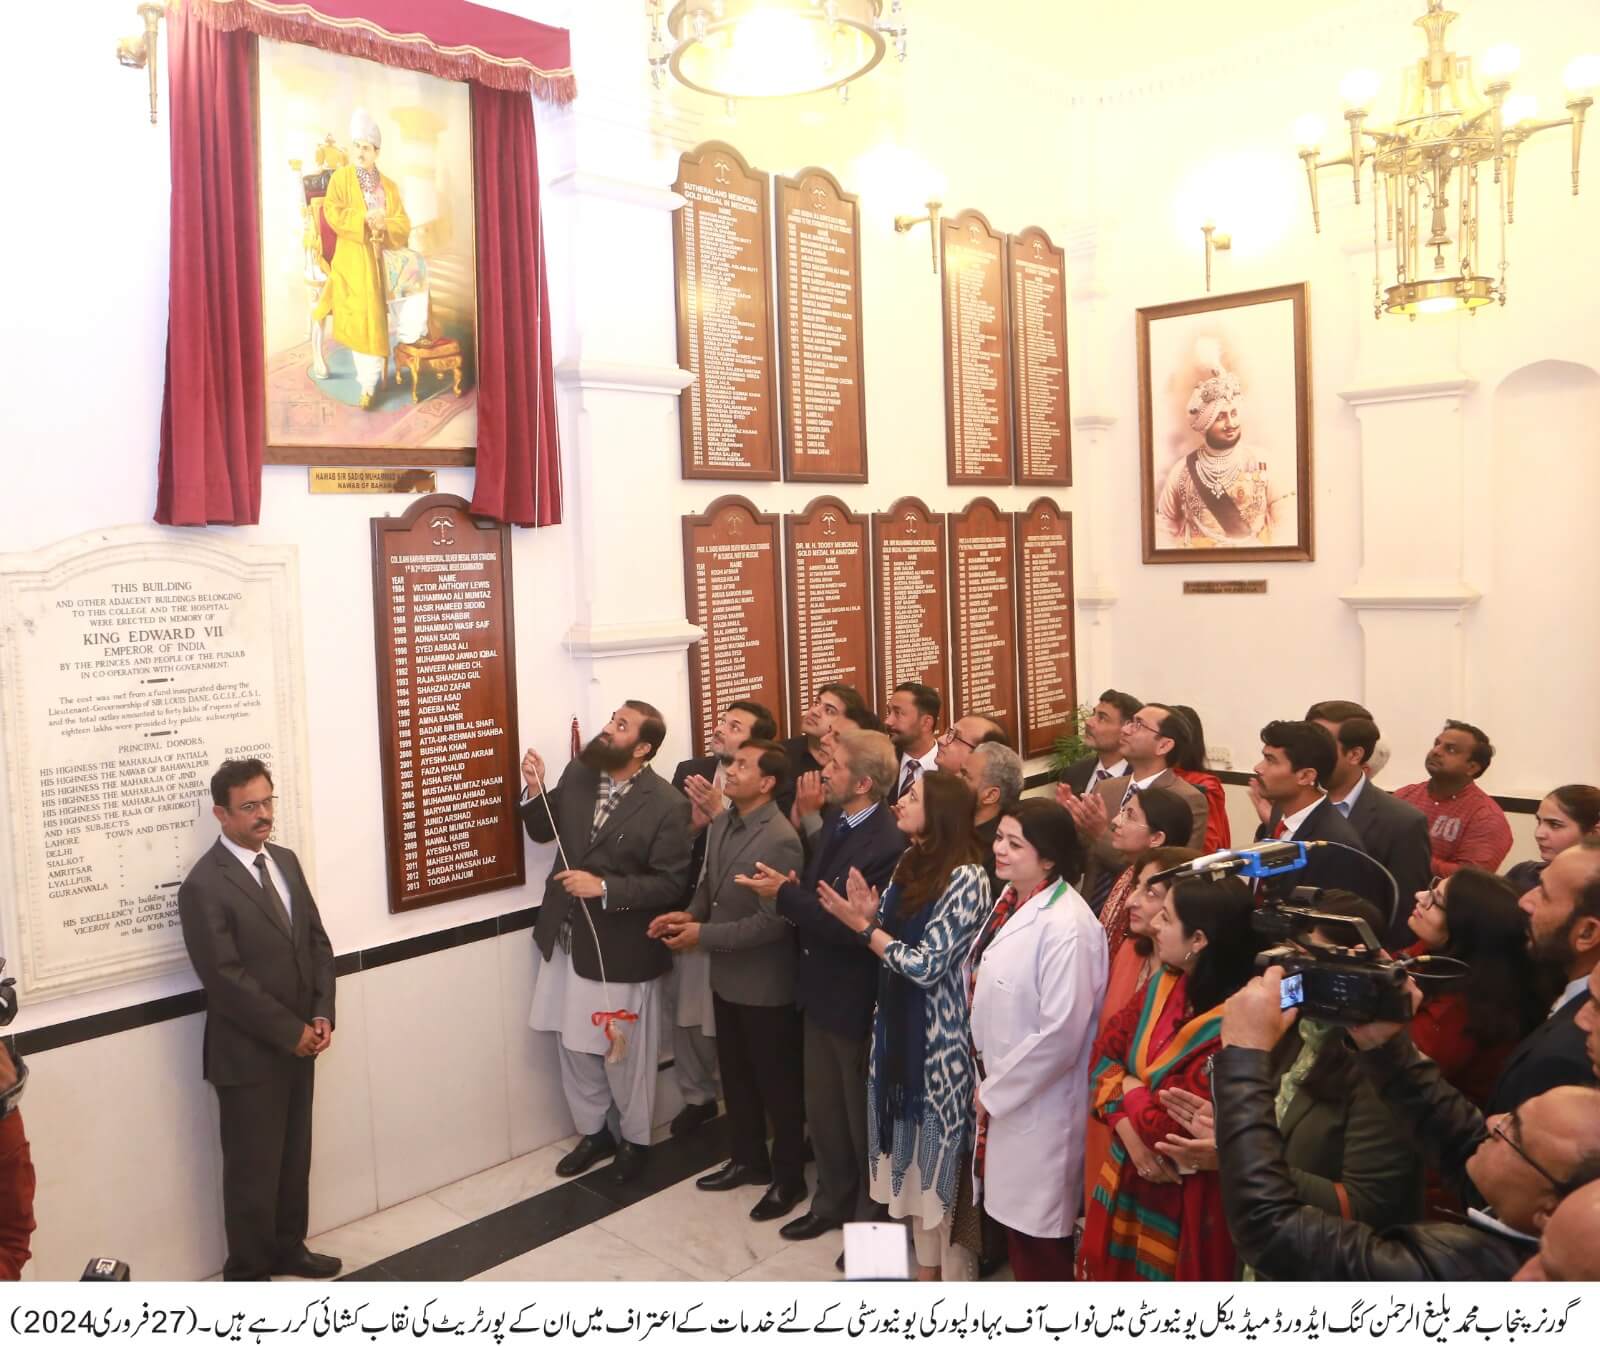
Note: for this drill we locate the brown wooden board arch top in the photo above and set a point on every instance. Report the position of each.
(977, 355)
(733, 591)
(720, 252)
(447, 703)
(1046, 644)
(819, 329)
(1037, 280)
(829, 594)
(908, 571)
(983, 589)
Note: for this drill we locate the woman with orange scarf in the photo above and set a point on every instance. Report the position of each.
(1147, 1220)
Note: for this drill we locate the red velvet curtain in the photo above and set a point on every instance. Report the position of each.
(518, 479)
(213, 414)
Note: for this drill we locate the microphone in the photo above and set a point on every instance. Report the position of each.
(1262, 860)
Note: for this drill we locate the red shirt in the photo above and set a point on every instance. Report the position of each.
(16, 1196)
(1468, 830)
(1439, 1030)
(1218, 835)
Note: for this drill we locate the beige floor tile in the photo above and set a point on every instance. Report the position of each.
(587, 1254)
(504, 1185)
(386, 1232)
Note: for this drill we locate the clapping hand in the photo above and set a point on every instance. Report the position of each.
(1197, 1150)
(809, 796)
(666, 924)
(766, 881)
(857, 909)
(706, 801)
(1088, 811)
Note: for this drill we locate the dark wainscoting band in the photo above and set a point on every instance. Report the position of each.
(192, 1002)
(1509, 803)
(435, 941)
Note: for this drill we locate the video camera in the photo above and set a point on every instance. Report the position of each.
(1354, 983)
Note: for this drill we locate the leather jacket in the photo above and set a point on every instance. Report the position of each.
(1286, 1240)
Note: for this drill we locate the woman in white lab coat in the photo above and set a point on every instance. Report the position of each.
(1036, 977)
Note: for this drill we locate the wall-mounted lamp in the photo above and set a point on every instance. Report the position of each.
(1215, 242)
(139, 53)
(904, 224)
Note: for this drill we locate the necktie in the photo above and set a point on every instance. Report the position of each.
(1280, 829)
(271, 889)
(1344, 807)
(912, 771)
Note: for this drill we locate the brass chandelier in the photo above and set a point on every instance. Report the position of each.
(771, 48)
(1445, 132)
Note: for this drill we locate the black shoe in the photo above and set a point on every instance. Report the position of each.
(588, 1152)
(732, 1175)
(808, 1226)
(778, 1200)
(693, 1117)
(312, 1266)
(629, 1163)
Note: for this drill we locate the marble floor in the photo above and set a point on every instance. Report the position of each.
(520, 1222)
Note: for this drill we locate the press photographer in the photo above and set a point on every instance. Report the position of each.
(1523, 1163)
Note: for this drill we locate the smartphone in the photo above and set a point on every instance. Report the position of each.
(1292, 992)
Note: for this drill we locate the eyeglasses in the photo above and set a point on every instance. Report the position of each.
(1137, 723)
(1434, 897)
(1509, 1129)
(251, 807)
(950, 736)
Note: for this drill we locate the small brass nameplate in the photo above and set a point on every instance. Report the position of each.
(371, 481)
(1224, 586)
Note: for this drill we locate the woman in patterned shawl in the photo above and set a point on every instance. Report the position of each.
(919, 1085)
(1147, 1220)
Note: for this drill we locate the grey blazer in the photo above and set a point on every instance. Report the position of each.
(752, 948)
(264, 981)
(642, 853)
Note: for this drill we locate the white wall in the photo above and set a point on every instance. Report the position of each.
(1119, 172)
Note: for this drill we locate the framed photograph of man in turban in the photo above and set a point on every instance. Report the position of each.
(1225, 428)
(368, 270)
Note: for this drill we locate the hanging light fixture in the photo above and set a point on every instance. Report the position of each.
(1446, 130)
(771, 48)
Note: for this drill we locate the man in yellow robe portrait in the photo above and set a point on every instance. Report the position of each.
(364, 210)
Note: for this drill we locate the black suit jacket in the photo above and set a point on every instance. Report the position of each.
(1395, 834)
(642, 853)
(706, 768)
(1555, 1053)
(264, 981)
(837, 984)
(1081, 772)
(800, 762)
(1329, 866)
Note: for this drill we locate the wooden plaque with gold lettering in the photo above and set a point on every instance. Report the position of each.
(733, 591)
(977, 356)
(1037, 275)
(729, 414)
(1046, 644)
(447, 703)
(983, 608)
(819, 329)
(908, 571)
(829, 600)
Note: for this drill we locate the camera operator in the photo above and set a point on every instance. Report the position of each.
(1523, 1162)
(16, 1169)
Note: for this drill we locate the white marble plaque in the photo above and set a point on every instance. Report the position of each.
(132, 663)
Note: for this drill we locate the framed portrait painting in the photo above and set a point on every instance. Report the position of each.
(368, 267)
(1225, 428)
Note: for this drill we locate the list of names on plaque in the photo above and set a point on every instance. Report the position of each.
(976, 355)
(983, 615)
(829, 600)
(447, 692)
(134, 664)
(732, 589)
(819, 323)
(728, 413)
(908, 561)
(1039, 360)
(1044, 619)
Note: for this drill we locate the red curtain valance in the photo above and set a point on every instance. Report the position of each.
(448, 38)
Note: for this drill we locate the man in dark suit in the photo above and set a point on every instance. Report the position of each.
(1102, 731)
(829, 709)
(1296, 763)
(694, 1042)
(257, 944)
(911, 718)
(1393, 832)
(837, 984)
(622, 857)
(752, 956)
(1563, 933)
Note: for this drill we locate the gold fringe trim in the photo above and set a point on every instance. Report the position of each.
(361, 37)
